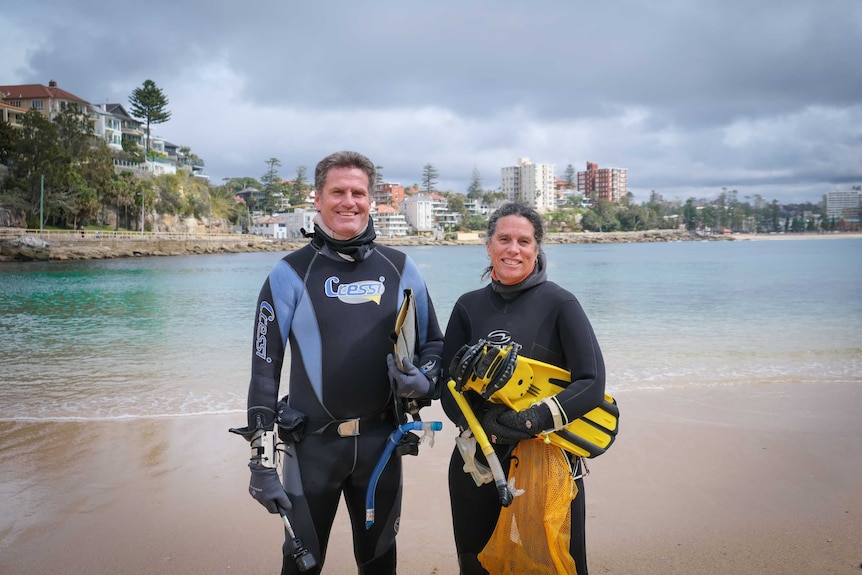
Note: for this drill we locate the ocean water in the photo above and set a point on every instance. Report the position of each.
(162, 337)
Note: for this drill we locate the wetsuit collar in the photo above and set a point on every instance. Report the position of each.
(355, 249)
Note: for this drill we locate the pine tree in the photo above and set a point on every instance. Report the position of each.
(149, 104)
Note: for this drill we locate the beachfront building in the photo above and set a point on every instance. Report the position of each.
(48, 100)
(843, 205)
(106, 126)
(477, 207)
(269, 227)
(418, 210)
(609, 184)
(387, 193)
(132, 129)
(109, 122)
(389, 222)
(531, 184)
(296, 221)
(11, 114)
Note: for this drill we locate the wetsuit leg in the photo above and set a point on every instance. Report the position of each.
(319, 464)
(374, 548)
(474, 514)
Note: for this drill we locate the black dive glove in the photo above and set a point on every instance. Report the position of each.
(412, 384)
(265, 486)
(505, 426)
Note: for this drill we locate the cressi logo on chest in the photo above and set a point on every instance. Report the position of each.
(356, 292)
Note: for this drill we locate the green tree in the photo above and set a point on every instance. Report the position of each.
(270, 181)
(474, 191)
(689, 215)
(98, 172)
(602, 217)
(131, 151)
(8, 135)
(455, 204)
(429, 178)
(121, 196)
(570, 177)
(299, 187)
(149, 104)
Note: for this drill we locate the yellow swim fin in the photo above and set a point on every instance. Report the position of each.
(530, 382)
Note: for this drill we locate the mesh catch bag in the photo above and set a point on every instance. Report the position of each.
(533, 533)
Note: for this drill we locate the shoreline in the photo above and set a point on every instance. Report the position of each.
(21, 246)
(761, 479)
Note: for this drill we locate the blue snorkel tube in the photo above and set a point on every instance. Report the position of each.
(391, 444)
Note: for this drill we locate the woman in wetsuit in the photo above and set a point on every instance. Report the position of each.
(519, 306)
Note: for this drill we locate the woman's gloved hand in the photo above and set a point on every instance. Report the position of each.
(498, 433)
(265, 486)
(412, 384)
(513, 425)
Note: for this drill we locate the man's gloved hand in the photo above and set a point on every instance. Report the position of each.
(498, 433)
(408, 444)
(413, 384)
(265, 486)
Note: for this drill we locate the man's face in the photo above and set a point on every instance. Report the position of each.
(344, 202)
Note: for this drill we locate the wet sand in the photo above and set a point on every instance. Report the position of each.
(765, 479)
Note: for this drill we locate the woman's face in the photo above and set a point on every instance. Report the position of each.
(513, 249)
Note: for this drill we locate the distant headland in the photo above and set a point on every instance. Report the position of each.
(30, 245)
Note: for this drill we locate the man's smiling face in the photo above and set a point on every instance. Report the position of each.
(344, 202)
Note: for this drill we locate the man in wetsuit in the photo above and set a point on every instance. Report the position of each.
(330, 307)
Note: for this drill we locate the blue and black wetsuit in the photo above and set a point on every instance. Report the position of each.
(550, 324)
(337, 316)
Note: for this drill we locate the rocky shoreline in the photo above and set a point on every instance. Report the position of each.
(20, 246)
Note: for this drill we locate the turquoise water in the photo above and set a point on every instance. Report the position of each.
(172, 336)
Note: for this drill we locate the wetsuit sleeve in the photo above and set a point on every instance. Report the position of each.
(275, 306)
(457, 335)
(584, 360)
(430, 335)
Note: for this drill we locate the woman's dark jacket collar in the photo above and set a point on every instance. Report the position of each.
(538, 276)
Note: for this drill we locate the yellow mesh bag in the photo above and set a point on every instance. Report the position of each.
(532, 534)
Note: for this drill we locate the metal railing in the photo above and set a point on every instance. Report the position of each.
(94, 235)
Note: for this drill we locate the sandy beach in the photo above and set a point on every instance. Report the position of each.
(765, 479)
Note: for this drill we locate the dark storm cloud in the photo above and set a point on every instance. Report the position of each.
(689, 96)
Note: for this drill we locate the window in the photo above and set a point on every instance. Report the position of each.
(36, 104)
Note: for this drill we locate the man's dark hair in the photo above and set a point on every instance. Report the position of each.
(343, 160)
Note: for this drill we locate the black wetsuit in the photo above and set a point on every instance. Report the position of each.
(337, 317)
(550, 324)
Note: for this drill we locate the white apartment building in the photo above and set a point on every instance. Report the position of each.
(296, 221)
(531, 184)
(842, 205)
(419, 212)
(389, 223)
(270, 227)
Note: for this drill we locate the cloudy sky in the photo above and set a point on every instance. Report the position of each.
(691, 96)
